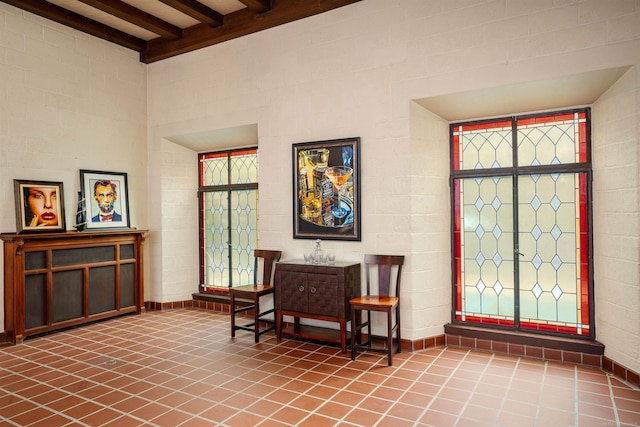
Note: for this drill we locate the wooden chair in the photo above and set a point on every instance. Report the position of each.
(253, 293)
(386, 300)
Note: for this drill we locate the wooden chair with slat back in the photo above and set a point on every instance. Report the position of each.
(386, 300)
(253, 293)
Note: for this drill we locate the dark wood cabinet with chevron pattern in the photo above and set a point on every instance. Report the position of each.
(320, 292)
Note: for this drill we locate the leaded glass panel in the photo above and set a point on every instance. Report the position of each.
(483, 147)
(485, 209)
(216, 248)
(550, 268)
(551, 140)
(214, 169)
(244, 167)
(245, 240)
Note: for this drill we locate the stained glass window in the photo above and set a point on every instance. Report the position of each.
(228, 192)
(521, 230)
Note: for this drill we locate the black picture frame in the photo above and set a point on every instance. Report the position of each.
(107, 184)
(315, 196)
(39, 206)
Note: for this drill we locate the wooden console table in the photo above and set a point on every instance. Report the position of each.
(320, 292)
(56, 280)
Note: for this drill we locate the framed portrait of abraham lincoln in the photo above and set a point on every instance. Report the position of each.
(106, 199)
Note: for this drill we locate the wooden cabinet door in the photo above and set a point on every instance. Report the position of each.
(291, 291)
(323, 294)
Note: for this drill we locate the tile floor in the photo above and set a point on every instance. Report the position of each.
(181, 368)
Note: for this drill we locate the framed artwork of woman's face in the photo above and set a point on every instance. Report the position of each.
(39, 206)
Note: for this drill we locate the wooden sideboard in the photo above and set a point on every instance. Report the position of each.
(320, 292)
(56, 280)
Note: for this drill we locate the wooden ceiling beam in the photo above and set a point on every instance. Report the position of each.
(213, 29)
(197, 11)
(259, 6)
(137, 17)
(237, 24)
(79, 22)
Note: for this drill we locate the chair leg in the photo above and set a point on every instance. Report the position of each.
(369, 333)
(353, 334)
(256, 316)
(232, 300)
(389, 338)
(278, 326)
(398, 326)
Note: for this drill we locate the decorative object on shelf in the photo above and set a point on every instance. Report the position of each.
(106, 199)
(81, 213)
(326, 180)
(318, 253)
(39, 206)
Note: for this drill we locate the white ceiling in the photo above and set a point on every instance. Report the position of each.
(563, 92)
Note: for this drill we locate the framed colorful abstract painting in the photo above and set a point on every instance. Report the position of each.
(326, 189)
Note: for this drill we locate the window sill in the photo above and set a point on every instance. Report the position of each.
(570, 350)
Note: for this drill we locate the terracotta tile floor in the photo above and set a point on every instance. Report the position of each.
(181, 368)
